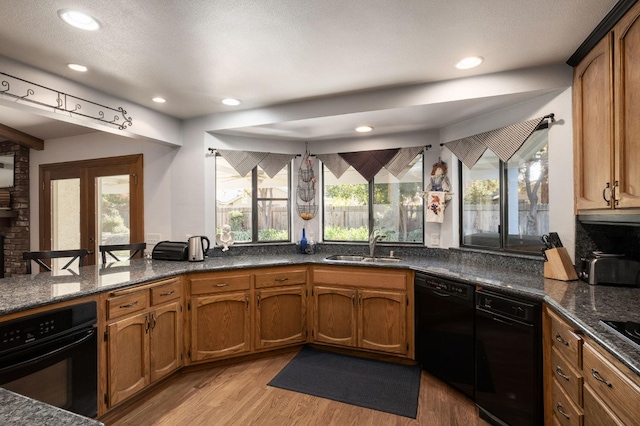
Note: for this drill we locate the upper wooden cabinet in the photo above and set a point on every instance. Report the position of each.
(606, 128)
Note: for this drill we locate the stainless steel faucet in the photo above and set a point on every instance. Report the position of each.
(373, 239)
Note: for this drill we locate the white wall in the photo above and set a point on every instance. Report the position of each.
(158, 167)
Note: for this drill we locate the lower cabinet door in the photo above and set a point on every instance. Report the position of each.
(382, 321)
(220, 325)
(334, 316)
(165, 340)
(281, 316)
(128, 357)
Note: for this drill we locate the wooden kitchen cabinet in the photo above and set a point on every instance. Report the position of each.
(144, 337)
(364, 309)
(606, 129)
(220, 315)
(281, 316)
(584, 384)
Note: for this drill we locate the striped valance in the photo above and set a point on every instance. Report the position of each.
(244, 161)
(504, 142)
(369, 163)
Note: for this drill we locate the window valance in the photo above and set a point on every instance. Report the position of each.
(369, 163)
(504, 142)
(244, 161)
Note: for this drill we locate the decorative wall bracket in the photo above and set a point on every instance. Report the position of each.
(27, 91)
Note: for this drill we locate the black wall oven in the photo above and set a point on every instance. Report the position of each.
(53, 357)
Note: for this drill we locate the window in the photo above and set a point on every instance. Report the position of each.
(255, 206)
(393, 205)
(505, 205)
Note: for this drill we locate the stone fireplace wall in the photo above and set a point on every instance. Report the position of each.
(16, 229)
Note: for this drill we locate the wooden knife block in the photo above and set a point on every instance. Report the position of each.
(558, 265)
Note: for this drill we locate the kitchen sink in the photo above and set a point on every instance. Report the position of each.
(361, 259)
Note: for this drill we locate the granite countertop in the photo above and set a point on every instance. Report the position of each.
(580, 303)
(18, 410)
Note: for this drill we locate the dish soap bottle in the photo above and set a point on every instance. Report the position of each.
(303, 242)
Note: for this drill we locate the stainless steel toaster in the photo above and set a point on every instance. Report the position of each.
(612, 269)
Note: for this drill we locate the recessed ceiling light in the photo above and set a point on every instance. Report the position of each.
(364, 129)
(79, 19)
(77, 67)
(231, 101)
(159, 100)
(470, 62)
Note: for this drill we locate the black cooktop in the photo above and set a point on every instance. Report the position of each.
(627, 329)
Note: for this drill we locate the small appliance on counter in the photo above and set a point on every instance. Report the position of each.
(170, 250)
(197, 250)
(610, 268)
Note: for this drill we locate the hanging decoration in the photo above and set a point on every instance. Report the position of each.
(438, 195)
(306, 190)
(60, 101)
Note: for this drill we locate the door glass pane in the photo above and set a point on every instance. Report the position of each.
(273, 206)
(397, 208)
(481, 202)
(112, 211)
(233, 201)
(528, 193)
(346, 206)
(65, 217)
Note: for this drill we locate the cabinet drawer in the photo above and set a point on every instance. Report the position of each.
(609, 383)
(361, 277)
(596, 412)
(164, 293)
(220, 283)
(281, 277)
(126, 304)
(567, 376)
(565, 410)
(568, 343)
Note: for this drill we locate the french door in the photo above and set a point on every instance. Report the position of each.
(87, 203)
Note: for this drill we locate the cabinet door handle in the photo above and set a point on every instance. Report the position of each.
(168, 293)
(258, 301)
(129, 305)
(247, 302)
(146, 320)
(360, 299)
(281, 279)
(560, 373)
(613, 193)
(560, 409)
(604, 192)
(222, 285)
(353, 300)
(153, 317)
(561, 340)
(599, 378)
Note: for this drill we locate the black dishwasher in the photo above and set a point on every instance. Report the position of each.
(508, 359)
(444, 330)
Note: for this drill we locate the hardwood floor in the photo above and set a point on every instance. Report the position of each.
(238, 395)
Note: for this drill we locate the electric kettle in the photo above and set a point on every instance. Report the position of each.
(197, 249)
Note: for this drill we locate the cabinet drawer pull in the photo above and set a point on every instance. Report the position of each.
(560, 373)
(129, 305)
(222, 285)
(281, 279)
(561, 340)
(604, 192)
(560, 409)
(168, 293)
(599, 378)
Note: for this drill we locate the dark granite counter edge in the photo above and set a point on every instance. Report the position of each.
(19, 410)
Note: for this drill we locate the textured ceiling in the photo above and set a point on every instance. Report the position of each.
(264, 52)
